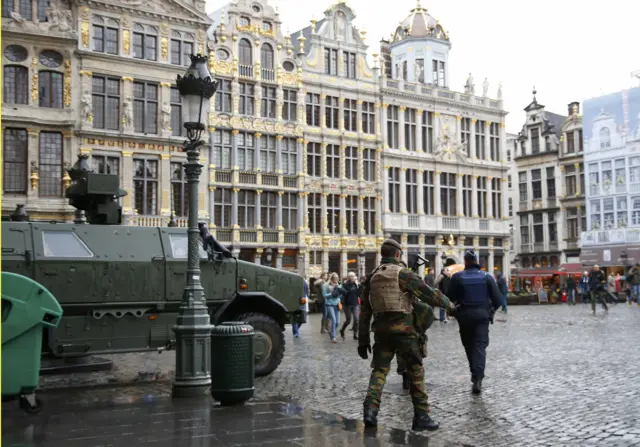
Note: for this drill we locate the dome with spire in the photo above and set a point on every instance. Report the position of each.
(419, 25)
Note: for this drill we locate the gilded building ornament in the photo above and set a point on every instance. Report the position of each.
(34, 80)
(164, 48)
(67, 83)
(85, 34)
(126, 41)
(35, 176)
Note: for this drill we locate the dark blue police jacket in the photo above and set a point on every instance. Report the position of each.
(475, 291)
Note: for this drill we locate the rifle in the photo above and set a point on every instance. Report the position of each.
(419, 262)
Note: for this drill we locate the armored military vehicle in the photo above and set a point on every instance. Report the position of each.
(120, 286)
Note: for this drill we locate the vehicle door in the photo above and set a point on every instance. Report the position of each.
(17, 248)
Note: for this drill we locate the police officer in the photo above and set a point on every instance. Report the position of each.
(387, 297)
(477, 297)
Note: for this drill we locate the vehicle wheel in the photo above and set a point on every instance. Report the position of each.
(268, 342)
(31, 409)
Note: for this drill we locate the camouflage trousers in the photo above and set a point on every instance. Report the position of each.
(598, 295)
(423, 317)
(406, 347)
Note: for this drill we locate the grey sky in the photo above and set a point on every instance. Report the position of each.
(569, 49)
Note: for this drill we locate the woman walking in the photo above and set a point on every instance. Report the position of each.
(332, 303)
(321, 285)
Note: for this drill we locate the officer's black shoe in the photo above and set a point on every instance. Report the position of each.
(370, 416)
(477, 386)
(342, 333)
(422, 421)
(406, 381)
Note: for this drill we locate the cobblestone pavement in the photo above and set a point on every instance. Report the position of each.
(555, 376)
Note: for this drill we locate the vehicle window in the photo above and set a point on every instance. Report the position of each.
(179, 246)
(64, 244)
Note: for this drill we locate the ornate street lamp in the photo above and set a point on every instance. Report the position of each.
(193, 328)
(269, 256)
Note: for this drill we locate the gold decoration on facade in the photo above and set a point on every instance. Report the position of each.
(164, 48)
(35, 176)
(85, 34)
(34, 80)
(164, 28)
(126, 41)
(67, 83)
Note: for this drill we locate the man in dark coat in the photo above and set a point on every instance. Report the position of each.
(597, 282)
(350, 300)
(504, 289)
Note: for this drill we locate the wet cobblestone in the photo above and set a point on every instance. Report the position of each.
(555, 376)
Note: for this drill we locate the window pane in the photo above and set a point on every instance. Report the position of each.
(64, 244)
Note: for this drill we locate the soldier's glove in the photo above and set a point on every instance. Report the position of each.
(362, 351)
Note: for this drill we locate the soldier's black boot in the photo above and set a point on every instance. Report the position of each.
(422, 421)
(477, 386)
(406, 381)
(370, 416)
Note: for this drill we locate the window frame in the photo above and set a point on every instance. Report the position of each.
(393, 127)
(393, 176)
(247, 92)
(350, 115)
(107, 98)
(179, 189)
(223, 98)
(332, 112)
(16, 85)
(149, 209)
(147, 34)
(15, 168)
(290, 105)
(312, 107)
(50, 171)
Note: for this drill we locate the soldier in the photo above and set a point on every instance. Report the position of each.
(387, 296)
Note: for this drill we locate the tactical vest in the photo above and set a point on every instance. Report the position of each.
(476, 288)
(385, 294)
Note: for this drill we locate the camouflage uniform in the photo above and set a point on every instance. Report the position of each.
(423, 317)
(394, 334)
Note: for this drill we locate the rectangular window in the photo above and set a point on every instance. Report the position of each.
(268, 153)
(427, 132)
(50, 165)
(290, 211)
(223, 96)
(420, 70)
(145, 46)
(467, 195)
(332, 112)
(313, 109)
(428, 193)
(368, 117)
(410, 129)
(535, 141)
(289, 152)
(571, 145)
(510, 207)
(524, 230)
(635, 211)
(222, 204)
(522, 185)
(333, 213)
(290, 105)
(176, 51)
(268, 108)
(105, 39)
(634, 169)
(394, 189)
(145, 185)
(333, 161)
(494, 141)
(314, 160)
(314, 212)
(572, 224)
(331, 61)
(481, 152)
(369, 208)
(595, 210)
(179, 191)
(105, 164)
(50, 89)
(538, 230)
(145, 107)
(351, 214)
(607, 207)
(268, 208)
(536, 184)
(448, 194)
(411, 182)
(465, 134)
(177, 129)
(350, 115)
(105, 97)
(245, 150)
(349, 64)
(247, 98)
(369, 165)
(553, 227)
(393, 125)
(247, 208)
(496, 198)
(570, 180)
(14, 161)
(222, 149)
(15, 84)
(551, 182)
(510, 181)
(351, 163)
(481, 188)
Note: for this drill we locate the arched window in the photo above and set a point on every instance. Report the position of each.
(526, 263)
(554, 261)
(535, 262)
(605, 138)
(15, 84)
(14, 161)
(50, 89)
(266, 56)
(544, 262)
(245, 53)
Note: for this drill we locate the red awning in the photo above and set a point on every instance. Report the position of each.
(571, 269)
(530, 273)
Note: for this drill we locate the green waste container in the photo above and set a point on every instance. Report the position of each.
(232, 363)
(26, 307)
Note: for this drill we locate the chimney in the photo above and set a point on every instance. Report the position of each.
(574, 108)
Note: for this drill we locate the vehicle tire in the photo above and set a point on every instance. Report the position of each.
(268, 342)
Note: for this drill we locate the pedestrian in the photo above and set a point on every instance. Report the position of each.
(430, 279)
(442, 282)
(571, 290)
(321, 285)
(597, 288)
(504, 290)
(477, 296)
(387, 296)
(332, 295)
(634, 273)
(618, 283)
(611, 283)
(584, 287)
(304, 310)
(351, 306)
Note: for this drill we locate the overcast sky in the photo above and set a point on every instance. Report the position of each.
(569, 49)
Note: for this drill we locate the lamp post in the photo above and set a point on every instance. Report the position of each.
(193, 328)
(516, 262)
(361, 260)
(269, 256)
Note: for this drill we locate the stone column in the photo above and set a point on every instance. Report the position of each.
(458, 128)
(234, 149)
(359, 115)
(361, 231)
(128, 201)
(377, 118)
(341, 114)
(385, 188)
(279, 100)
(474, 196)
(325, 261)
(258, 213)
(86, 120)
(301, 264)
(279, 211)
(420, 195)
(436, 128)
(256, 151)
(383, 124)
(343, 214)
(419, 130)
(405, 248)
(343, 162)
(302, 211)
(166, 205)
(325, 220)
(401, 135)
(212, 206)
(563, 224)
(258, 258)
(235, 92)
(579, 190)
(234, 207)
(437, 204)
(505, 199)
(490, 263)
(472, 137)
(490, 198)
(459, 204)
(323, 161)
(279, 255)
(323, 111)
(344, 267)
(502, 147)
(403, 190)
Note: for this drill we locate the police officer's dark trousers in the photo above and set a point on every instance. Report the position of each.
(474, 334)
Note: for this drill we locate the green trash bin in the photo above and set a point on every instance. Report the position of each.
(232, 363)
(26, 307)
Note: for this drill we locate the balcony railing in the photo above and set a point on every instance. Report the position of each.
(290, 237)
(224, 235)
(573, 244)
(268, 75)
(414, 221)
(223, 176)
(538, 246)
(440, 91)
(450, 223)
(634, 188)
(269, 179)
(270, 236)
(484, 225)
(248, 178)
(290, 181)
(616, 236)
(245, 71)
(158, 221)
(248, 236)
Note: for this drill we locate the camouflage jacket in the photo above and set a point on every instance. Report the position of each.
(397, 323)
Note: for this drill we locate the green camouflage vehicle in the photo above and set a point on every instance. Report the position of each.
(120, 286)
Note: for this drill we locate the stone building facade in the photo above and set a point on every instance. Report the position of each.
(444, 168)
(100, 79)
